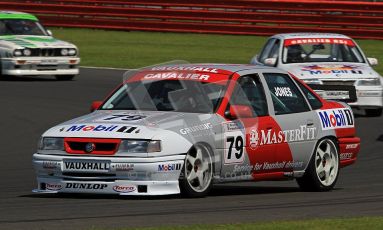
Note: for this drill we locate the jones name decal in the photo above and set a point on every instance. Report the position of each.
(336, 118)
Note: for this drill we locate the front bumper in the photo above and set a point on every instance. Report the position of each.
(23, 66)
(368, 97)
(108, 175)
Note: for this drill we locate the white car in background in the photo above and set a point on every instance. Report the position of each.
(332, 64)
(28, 49)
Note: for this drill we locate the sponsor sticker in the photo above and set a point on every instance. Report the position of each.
(196, 128)
(283, 92)
(169, 167)
(332, 69)
(352, 146)
(53, 187)
(123, 167)
(85, 186)
(298, 41)
(124, 188)
(267, 137)
(336, 118)
(345, 156)
(102, 128)
(86, 166)
(51, 164)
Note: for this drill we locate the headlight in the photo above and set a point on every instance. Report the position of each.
(313, 81)
(368, 82)
(27, 52)
(64, 52)
(51, 143)
(17, 53)
(140, 146)
(72, 52)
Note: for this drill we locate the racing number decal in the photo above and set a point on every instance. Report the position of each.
(234, 148)
(124, 117)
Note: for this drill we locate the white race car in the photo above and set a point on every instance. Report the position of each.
(332, 64)
(27, 48)
(180, 128)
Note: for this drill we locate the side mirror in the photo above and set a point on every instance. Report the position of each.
(49, 33)
(372, 61)
(254, 60)
(239, 111)
(271, 61)
(95, 105)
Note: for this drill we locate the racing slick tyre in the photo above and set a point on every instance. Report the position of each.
(323, 169)
(64, 77)
(374, 112)
(197, 174)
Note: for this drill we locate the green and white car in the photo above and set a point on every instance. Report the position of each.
(28, 49)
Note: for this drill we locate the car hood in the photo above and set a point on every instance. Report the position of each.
(331, 71)
(131, 124)
(29, 41)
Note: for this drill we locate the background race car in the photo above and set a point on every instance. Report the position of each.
(27, 48)
(181, 128)
(333, 65)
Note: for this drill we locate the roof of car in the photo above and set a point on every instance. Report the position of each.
(17, 15)
(310, 35)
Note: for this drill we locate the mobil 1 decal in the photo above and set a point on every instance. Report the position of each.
(120, 117)
(234, 143)
(336, 118)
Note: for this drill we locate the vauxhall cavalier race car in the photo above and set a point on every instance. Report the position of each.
(332, 64)
(181, 128)
(27, 48)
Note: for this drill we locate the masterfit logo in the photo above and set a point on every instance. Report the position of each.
(169, 167)
(86, 186)
(254, 138)
(336, 118)
(267, 137)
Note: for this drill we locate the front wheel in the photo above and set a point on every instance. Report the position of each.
(64, 77)
(196, 180)
(374, 112)
(323, 169)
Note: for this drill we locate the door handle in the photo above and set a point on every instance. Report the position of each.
(310, 123)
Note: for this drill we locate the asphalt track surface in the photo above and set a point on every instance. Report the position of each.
(29, 106)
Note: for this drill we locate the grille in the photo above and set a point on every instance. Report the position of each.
(101, 146)
(349, 83)
(46, 52)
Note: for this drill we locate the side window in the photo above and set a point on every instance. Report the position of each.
(285, 94)
(249, 91)
(313, 100)
(266, 50)
(274, 53)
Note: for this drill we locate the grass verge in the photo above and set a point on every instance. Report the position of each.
(370, 223)
(137, 49)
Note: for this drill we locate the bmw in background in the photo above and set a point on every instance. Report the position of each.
(27, 48)
(332, 64)
(181, 128)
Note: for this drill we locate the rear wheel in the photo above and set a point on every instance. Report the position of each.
(196, 180)
(323, 170)
(64, 77)
(374, 112)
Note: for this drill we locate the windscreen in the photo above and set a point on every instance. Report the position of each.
(167, 95)
(321, 50)
(21, 27)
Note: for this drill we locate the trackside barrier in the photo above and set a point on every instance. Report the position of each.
(358, 19)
